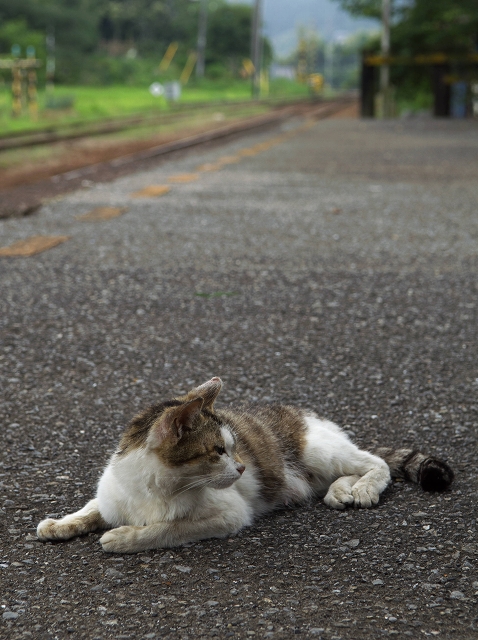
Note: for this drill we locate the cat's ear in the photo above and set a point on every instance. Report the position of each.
(173, 424)
(208, 391)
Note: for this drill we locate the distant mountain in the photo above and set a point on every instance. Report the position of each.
(283, 17)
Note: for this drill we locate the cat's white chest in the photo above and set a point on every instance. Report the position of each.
(129, 493)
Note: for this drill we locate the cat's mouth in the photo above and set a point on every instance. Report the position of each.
(225, 480)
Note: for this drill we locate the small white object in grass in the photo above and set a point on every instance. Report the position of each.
(156, 89)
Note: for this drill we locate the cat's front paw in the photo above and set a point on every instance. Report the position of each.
(121, 540)
(50, 529)
(46, 530)
(365, 496)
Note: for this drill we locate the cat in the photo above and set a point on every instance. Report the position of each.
(185, 471)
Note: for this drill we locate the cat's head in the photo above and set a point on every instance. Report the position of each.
(192, 444)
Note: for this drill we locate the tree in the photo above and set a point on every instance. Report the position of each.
(425, 26)
(74, 23)
(421, 27)
(17, 32)
(96, 34)
(448, 26)
(365, 8)
(229, 32)
(229, 36)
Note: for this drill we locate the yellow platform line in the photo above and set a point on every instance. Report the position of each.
(31, 246)
(229, 159)
(37, 244)
(153, 191)
(183, 178)
(209, 166)
(220, 163)
(248, 152)
(254, 150)
(102, 213)
(263, 146)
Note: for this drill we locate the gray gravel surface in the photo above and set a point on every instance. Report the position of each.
(336, 270)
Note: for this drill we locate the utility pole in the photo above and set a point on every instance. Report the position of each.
(256, 47)
(329, 53)
(385, 69)
(202, 35)
(50, 60)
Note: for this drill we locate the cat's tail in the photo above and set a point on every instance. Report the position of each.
(432, 474)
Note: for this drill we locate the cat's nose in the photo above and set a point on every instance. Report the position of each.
(241, 468)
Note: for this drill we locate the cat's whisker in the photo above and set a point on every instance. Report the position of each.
(193, 485)
(199, 481)
(178, 478)
(196, 483)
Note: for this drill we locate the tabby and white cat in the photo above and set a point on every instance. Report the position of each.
(184, 471)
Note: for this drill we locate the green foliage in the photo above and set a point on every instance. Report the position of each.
(366, 8)
(426, 26)
(338, 61)
(229, 33)
(93, 36)
(443, 26)
(421, 27)
(17, 32)
(59, 102)
(104, 70)
(216, 70)
(284, 88)
(150, 24)
(229, 40)
(69, 105)
(448, 26)
(74, 23)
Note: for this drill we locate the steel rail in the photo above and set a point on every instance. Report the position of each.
(76, 130)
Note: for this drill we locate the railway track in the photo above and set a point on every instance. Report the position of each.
(75, 130)
(27, 193)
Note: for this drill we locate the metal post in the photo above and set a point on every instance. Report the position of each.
(329, 63)
(367, 93)
(202, 38)
(441, 90)
(256, 47)
(50, 60)
(16, 90)
(32, 84)
(385, 69)
(302, 61)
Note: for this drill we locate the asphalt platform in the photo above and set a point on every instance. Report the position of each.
(332, 265)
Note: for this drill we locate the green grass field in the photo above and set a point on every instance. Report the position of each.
(96, 103)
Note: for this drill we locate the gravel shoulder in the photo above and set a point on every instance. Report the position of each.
(334, 269)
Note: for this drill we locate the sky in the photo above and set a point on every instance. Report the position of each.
(283, 17)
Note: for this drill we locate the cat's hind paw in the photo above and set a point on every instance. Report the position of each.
(338, 498)
(121, 540)
(340, 494)
(365, 496)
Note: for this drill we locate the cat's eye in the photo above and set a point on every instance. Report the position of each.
(220, 450)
